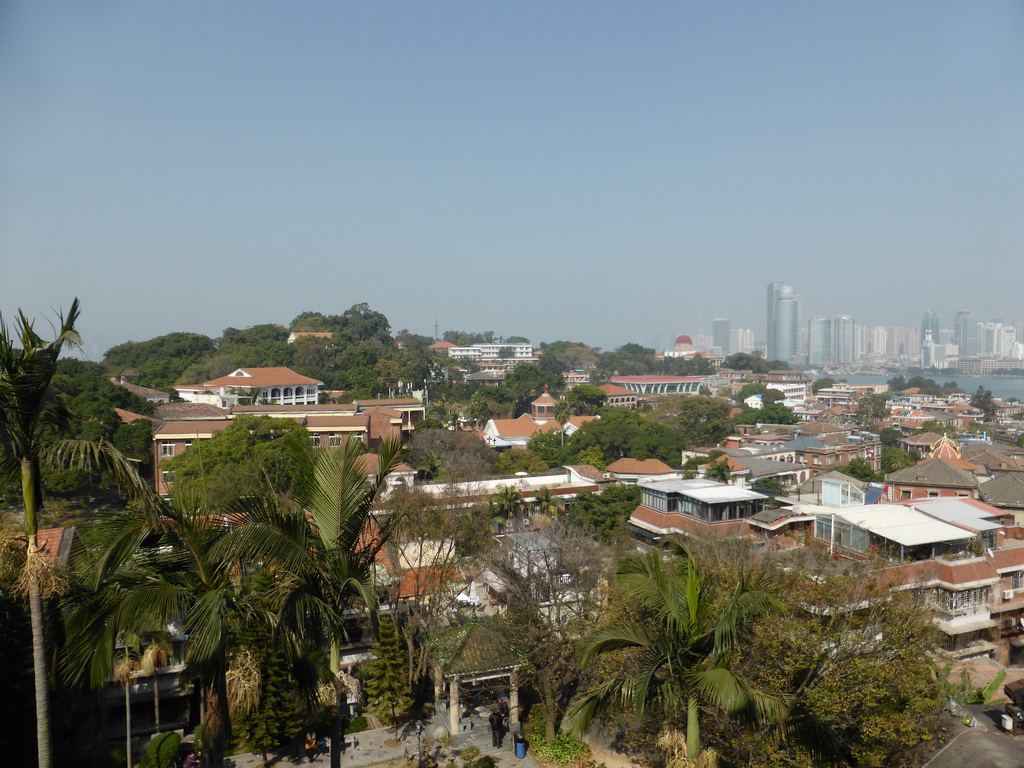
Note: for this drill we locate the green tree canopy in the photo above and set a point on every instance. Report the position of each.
(237, 462)
(585, 399)
(776, 413)
(699, 420)
(684, 631)
(603, 513)
(160, 361)
(624, 433)
(823, 383)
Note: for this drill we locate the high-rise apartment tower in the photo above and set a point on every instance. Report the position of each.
(783, 321)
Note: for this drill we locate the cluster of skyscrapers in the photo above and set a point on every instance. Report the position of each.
(839, 340)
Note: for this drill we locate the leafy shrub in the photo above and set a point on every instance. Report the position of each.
(484, 761)
(562, 750)
(470, 754)
(161, 751)
(358, 724)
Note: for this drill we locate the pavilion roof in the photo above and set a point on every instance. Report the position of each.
(473, 648)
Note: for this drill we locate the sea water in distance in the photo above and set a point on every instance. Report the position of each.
(1003, 387)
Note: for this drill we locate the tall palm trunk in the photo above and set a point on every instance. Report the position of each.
(156, 700)
(42, 687)
(218, 720)
(692, 730)
(336, 734)
(127, 723)
(30, 497)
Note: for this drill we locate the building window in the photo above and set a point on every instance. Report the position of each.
(188, 444)
(314, 440)
(334, 441)
(1017, 580)
(904, 494)
(166, 450)
(964, 602)
(299, 392)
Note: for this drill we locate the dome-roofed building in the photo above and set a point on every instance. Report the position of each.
(945, 448)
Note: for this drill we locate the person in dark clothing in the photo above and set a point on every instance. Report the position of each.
(494, 719)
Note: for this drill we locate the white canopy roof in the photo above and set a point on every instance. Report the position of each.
(903, 525)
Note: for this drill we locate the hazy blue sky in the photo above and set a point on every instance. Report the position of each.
(595, 171)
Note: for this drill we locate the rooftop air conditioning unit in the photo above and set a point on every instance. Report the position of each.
(1007, 594)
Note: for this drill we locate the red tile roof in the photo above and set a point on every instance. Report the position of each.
(652, 379)
(263, 377)
(524, 426)
(627, 466)
(191, 428)
(614, 389)
(129, 416)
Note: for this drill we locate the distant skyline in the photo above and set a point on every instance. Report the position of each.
(590, 171)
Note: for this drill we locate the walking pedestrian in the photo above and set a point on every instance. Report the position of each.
(311, 745)
(494, 720)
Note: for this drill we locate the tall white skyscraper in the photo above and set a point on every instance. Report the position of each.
(844, 340)
(783, 318)
(741, 340)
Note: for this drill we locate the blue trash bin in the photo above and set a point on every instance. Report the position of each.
(520, 743)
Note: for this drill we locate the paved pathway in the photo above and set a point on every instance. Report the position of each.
(370, 747)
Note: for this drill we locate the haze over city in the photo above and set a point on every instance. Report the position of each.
(591, 171)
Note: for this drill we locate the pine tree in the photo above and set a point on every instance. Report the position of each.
(275, 719)
(387, 684)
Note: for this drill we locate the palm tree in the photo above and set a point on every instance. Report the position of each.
(156, 655)
(184, 570)
(685, 634)
(31, 413)
(562, 412)
(331, 528)
(504, 503)
(125, 672)
(28, 403)
(431, 465)
(547, 502)
(719, 470)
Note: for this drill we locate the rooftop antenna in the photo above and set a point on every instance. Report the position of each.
(435, 329)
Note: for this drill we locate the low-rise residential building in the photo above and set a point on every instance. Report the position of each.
(823, 455)
(933, 478)
(254, 386)
(372, 422)
(495, 357)
(692, 507)
(627, 470)
(173, 438)
(619, 396)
